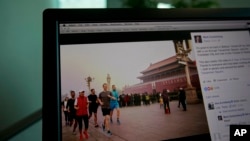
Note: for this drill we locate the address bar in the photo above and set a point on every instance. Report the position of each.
(159, 26)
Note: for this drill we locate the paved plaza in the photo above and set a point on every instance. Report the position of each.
(147, 123)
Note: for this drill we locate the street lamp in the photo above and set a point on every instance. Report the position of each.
(182, 57)
(108, 81)
(89, 80)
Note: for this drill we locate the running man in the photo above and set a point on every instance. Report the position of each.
(65, 110)
(104, 100)
(72, 111)
(81, 106)
(93, 105)
(114, 104)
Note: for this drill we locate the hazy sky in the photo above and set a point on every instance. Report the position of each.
(123, 61)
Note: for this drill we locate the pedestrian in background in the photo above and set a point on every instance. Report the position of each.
(182, 97)
(165, 97)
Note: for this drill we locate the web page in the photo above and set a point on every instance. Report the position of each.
(223, 62)
(144, 59)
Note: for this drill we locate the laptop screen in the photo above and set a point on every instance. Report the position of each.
(151, 79)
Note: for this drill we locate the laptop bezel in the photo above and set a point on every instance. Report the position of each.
(52, 17)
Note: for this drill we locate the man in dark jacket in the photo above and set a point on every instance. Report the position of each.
(165, 97)
(182, 98)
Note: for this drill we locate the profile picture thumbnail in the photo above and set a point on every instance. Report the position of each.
(210, 106)
(219, 117)
(197, 39)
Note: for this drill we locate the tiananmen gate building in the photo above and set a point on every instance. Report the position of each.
(165, 74)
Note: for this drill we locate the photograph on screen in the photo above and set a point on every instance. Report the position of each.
(157, 83)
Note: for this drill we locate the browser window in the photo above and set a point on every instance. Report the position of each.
(203, 58)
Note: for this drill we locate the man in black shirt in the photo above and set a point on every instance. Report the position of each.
(93, 105)
(182, 98)
(72, 110)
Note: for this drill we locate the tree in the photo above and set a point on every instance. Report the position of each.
(140, 3)
(195, 3)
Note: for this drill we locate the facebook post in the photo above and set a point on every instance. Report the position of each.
(223, 63)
